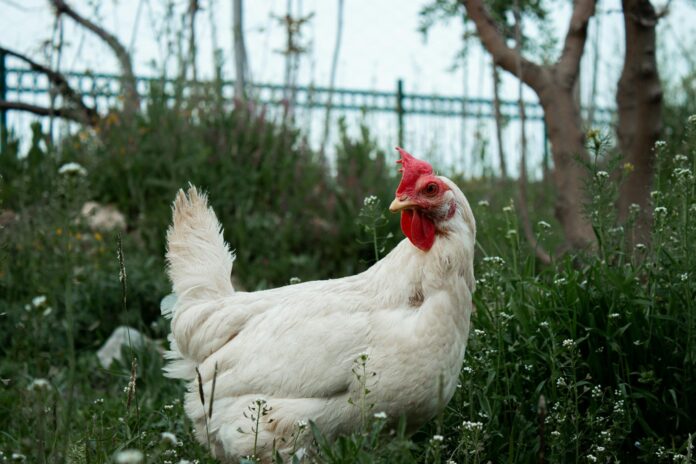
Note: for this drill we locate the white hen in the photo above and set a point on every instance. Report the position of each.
(294, 347)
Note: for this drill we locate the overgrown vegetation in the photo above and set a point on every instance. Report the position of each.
(590, 359)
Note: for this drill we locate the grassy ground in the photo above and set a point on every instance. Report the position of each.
(590, 359)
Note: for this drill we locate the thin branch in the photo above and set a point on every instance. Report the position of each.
(568, 64)
(504, 56)
(65, 113)
(523, 180)
(61, 85)
(131, 99)
(332, 78)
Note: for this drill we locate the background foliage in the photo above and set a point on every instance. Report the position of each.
(590, 359)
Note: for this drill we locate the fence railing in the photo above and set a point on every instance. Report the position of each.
(101, 91)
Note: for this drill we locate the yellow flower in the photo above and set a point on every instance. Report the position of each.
(98, 237)
(628, 167)
(59, 231)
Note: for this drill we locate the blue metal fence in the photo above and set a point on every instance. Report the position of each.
(424, 122)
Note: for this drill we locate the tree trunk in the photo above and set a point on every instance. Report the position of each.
(498, 120)
(553, 84)
(240, 57)
(639, 103)
(564, 124)
(522, 200)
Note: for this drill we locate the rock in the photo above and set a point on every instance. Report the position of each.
(7, 217)
(104, 218)
(112, 348)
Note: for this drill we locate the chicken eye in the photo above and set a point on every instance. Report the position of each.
(431, 189)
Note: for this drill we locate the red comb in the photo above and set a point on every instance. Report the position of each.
(412, 169)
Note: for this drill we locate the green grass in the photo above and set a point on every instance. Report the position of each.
(590, 359)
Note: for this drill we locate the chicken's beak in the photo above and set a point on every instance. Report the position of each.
(399, 204)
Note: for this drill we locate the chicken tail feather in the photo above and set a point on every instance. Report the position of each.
(199, 261)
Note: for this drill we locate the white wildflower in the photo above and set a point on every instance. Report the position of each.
(495, 260)
(596, 391)
(72, 168)
(168, 438)
(168, 406)
(561, 382)
(302, 423)
(634, 208)
(555, 433)
(544, 324)
(129, 456)
(47, 311)
(484, 203)
(568, 343)
(600, 449)
(472, 426)
(692, 119)
(640, 247)
(507, 209)
(614, 316)
(560, 281)
(439, 438)
(467, 369)
(479, 332)
(660, 144)
(684, 277)
(38, 301)
(380, 415)
(679, 158)
(370, 201)
(543, 225)
(682, 174)
(39, 384)
(601, 175)
(591, 458)
(99, 401)
(660, 211)
(295, 280)
(510, 233)
(18, 457)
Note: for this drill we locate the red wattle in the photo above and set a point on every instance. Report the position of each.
(419, 229)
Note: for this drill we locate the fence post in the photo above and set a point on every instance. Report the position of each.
(3, 97)
(400, 110)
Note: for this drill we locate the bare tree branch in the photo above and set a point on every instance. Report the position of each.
(492, 39)
(523, 180)
(131, 99)
(60, 83)
(66, 113)
(568, 65)
(332, 78)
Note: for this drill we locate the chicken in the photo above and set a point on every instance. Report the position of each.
(291, 351)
